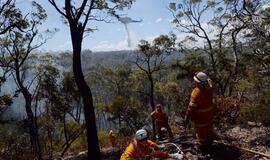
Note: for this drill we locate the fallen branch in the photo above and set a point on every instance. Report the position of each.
(244, 149)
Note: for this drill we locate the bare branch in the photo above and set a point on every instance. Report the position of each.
(88, 14)
(57, 8)
(81, 10)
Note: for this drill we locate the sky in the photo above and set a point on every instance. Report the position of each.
(156, 20)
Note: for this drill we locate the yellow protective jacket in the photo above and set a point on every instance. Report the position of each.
(136, 151)
(200, 106)
(160, 117)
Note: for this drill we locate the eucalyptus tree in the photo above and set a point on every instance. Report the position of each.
(114, 80)
(16, 48)
(60, 100)
(151, 58)
(114, 95)
(11, 18)
(255, 89)
(215, 25)
(256, 15)
(78, 15)
(46, 90)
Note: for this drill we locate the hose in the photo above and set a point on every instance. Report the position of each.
(179, 150)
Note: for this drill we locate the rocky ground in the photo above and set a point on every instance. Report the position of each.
(231, 146)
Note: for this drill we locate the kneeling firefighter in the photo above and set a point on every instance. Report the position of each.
(142, 147)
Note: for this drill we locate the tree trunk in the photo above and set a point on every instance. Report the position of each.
(89, 113)
(33, 131)
(152, 103)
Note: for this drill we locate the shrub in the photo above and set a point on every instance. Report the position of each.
(103, 138)
(13, 144)
(226, 110)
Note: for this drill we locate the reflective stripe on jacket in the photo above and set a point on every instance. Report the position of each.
(200, 106)
(136, 150)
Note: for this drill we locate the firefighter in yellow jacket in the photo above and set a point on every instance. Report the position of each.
(161, 119)
(141, 147)
(200, 109)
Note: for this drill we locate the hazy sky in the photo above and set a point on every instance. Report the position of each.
(154, 13)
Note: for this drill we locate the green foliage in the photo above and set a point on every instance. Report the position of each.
(40, 14)
(78, 145)
(103, 138)
(23, 37)
(11, 142)
(49, 90)
(250, 112)
(155, 52)
(74, 133)
(11, 17)
(257, 111)
(195, 1)
(226, 111)
(191, 63)
(266, 99)
(169, 92)
(245, 84)
(189, 39)
(165, 43)
(172, 6)
(230, 111)
(179, 15)
(62, 97)
(127, 110)
(68, 89)
(71, 127)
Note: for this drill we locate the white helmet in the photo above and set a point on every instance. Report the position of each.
(111, 132)
(200, 77)
(141, 135)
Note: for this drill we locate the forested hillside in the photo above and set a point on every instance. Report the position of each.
(68, 104)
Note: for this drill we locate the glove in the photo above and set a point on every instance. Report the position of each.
(176, 156)
(161, 146)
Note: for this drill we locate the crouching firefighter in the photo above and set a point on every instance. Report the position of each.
(161, 119)
(142, 147)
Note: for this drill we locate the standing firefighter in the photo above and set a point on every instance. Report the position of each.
(112, 138)
(141, 148)
(161, 119)
(200, 109)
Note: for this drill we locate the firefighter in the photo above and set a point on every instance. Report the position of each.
(141, 147)
(161, 119)
(112, 138)
(200, 109)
